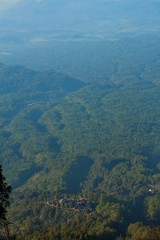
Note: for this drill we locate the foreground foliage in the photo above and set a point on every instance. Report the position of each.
(5, 190)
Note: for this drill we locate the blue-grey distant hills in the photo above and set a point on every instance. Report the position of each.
(48, 33)
(86, 15)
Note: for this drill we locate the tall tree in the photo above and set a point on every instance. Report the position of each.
(5, 190)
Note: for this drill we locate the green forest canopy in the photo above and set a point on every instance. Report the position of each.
(63, 138)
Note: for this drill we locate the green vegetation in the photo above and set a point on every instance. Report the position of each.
(5, 190)
(4, 196)
(62, 138)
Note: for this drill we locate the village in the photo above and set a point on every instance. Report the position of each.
(80, 205)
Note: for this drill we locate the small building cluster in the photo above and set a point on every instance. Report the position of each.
(80, 205)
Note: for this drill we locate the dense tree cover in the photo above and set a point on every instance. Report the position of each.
(61, 138)
(114, 58)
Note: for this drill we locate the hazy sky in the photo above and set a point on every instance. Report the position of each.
(7, 3)
(82, 15)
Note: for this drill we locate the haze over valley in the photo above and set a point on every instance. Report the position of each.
(79, 118)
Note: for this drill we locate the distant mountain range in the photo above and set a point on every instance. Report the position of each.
(88, 15)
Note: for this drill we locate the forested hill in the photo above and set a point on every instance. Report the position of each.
(26, 93)
(80, 125)
(16, 79)
(93, 147)
(22, 88)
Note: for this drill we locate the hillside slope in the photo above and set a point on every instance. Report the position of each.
(63, 139)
